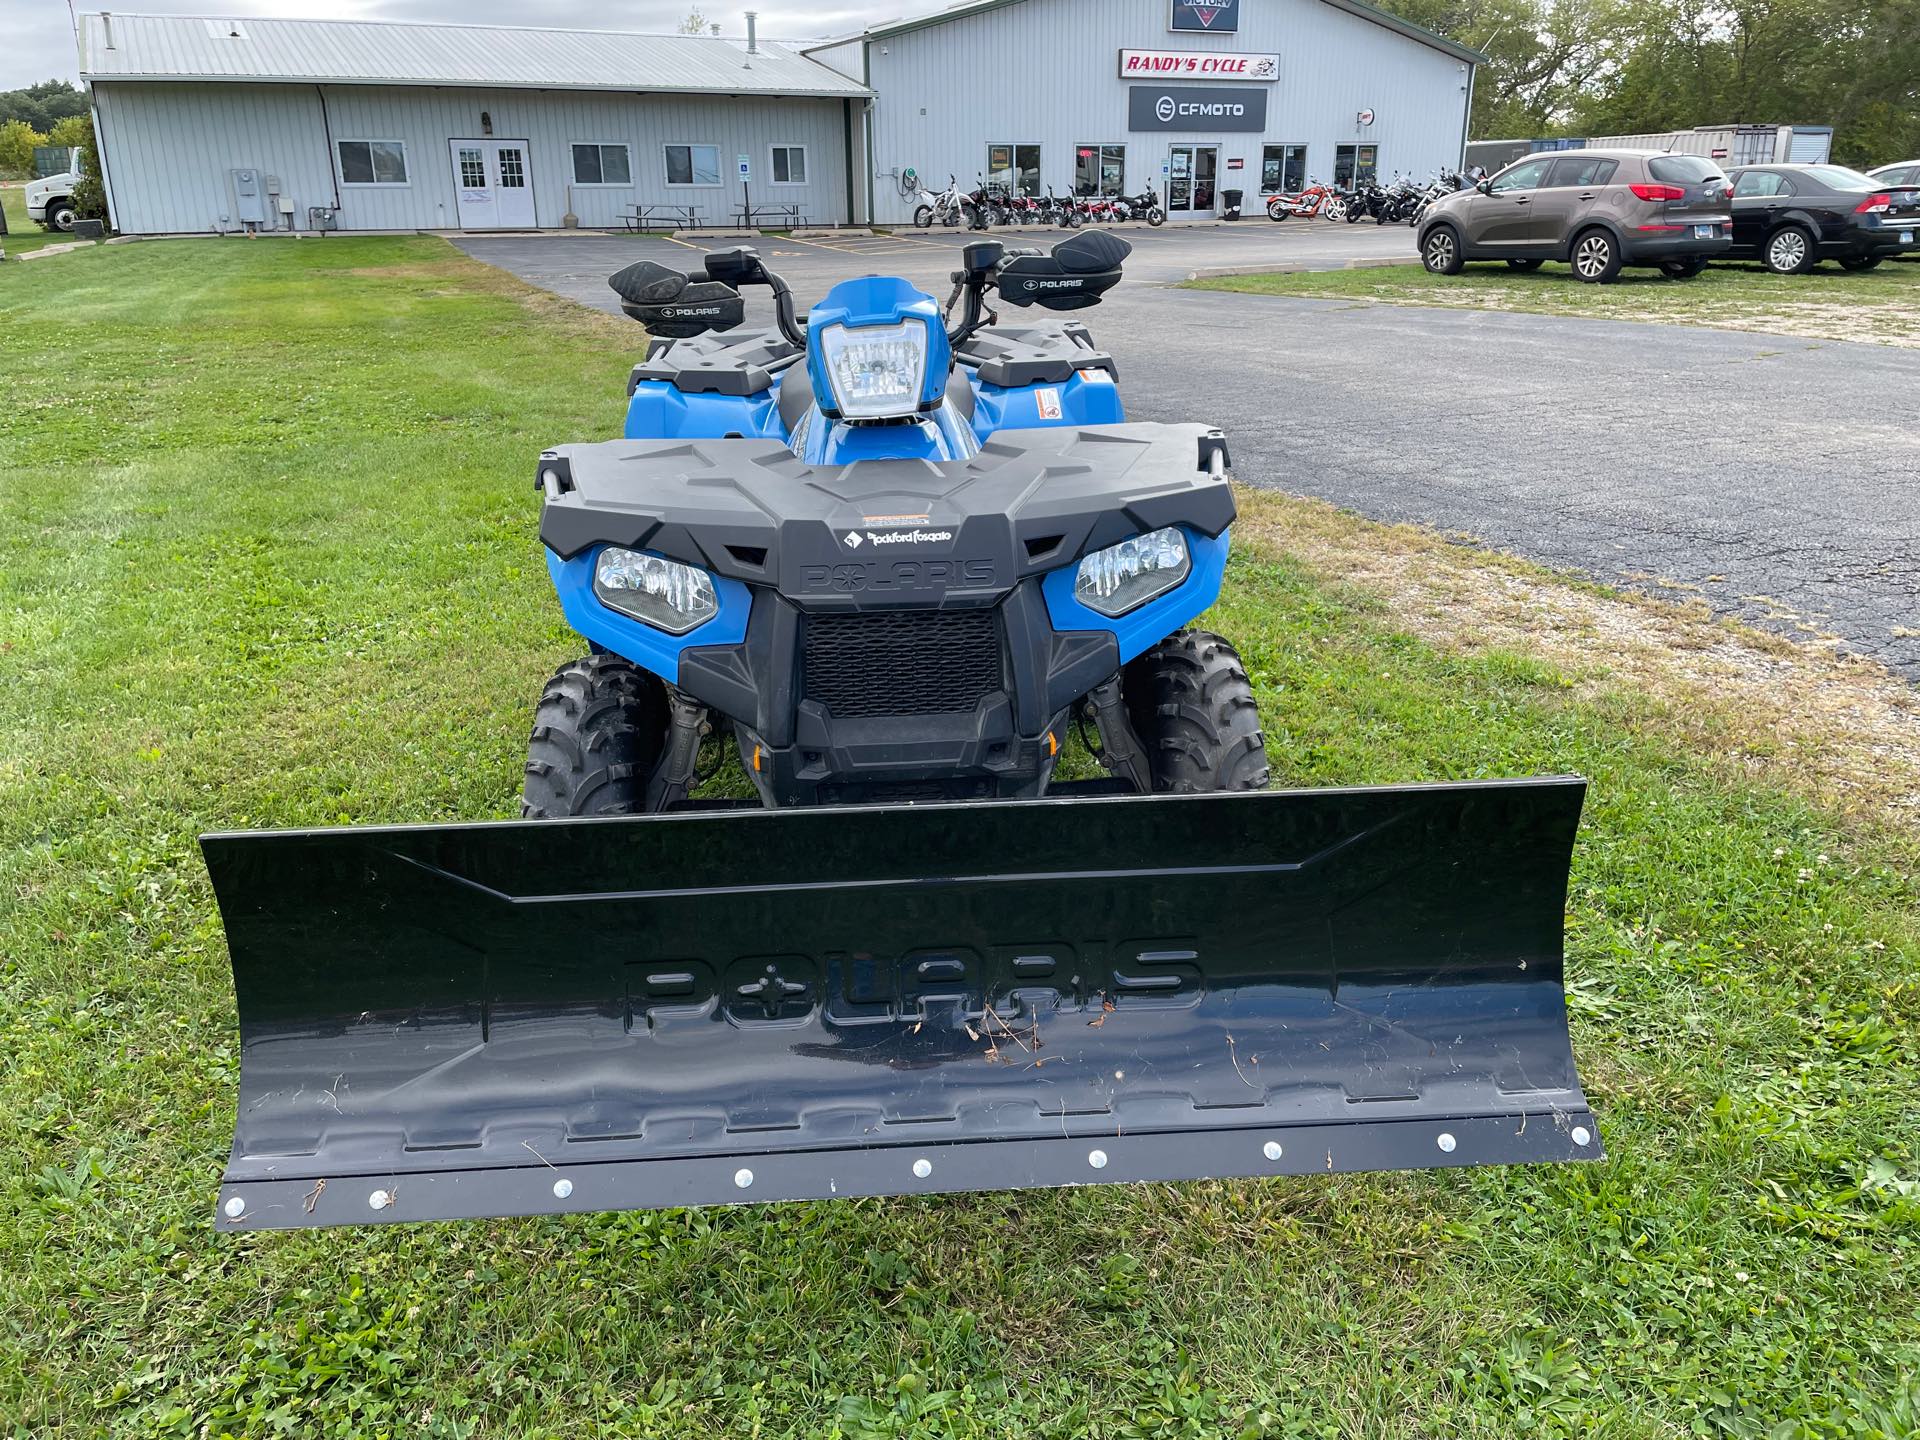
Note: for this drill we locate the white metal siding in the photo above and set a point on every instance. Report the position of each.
(171, 145)
(1047, 71)
(844, 57)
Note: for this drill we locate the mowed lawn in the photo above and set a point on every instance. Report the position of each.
(268, 557)
(1880, 306)
(22, 234)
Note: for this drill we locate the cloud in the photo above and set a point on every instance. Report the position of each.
(40, 44)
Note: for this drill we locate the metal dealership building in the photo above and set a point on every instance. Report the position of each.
(218, 124)
(1187, 97)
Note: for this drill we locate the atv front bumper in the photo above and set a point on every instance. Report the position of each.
(892, 629)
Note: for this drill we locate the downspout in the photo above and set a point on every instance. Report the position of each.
(326, 127)
(846, 131)
(100, 151)
(1466, 120)
(866, 125)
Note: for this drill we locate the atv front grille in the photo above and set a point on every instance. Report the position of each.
(901, 662)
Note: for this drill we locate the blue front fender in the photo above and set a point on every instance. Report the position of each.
(1140, 630)
(634, 640)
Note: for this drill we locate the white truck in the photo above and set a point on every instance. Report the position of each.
(50, 199)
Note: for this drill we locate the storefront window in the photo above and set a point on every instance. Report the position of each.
(1283, 168)
(1100, 170)
(1355, 165)
(1014, 167)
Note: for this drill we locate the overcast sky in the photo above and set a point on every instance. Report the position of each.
(38, 34)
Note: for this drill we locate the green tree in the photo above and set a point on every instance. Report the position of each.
(73, 130)
(17, 139)
(89, 195)
(44, 105)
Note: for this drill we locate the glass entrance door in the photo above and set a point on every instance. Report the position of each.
(1192, 175)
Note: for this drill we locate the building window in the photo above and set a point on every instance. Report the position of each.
(513, 168)
(373, 162)
(693, 164)
(1355, 165)
(1099, 169)
(789, 165)
(1283, 169)
(1016, 168)
(473, 170)
(597, 164)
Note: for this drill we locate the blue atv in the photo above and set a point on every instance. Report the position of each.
(892, 556)
(898, 554)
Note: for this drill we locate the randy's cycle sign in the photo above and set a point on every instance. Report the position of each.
(1221, 17)
(1197, 65)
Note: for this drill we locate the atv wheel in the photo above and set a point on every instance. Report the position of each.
(1192, 707)
(597, 735)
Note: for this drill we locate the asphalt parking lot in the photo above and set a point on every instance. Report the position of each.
(1771, 476)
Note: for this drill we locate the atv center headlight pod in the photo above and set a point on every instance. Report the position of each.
(672, 597)
(878, 371)
(1124, 577)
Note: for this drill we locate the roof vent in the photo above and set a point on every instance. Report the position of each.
(106, 25)
(226, 29)
(753, 33)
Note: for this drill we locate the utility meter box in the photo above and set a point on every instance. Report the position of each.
(249, 200)
(273, 184)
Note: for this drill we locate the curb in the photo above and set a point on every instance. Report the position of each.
(45, 250)
(1228, 272)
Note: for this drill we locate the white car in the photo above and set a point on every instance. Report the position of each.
(50, 199)
(1902, 172)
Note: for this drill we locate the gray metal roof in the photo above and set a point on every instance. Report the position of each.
(1380, 17)
(364, 52)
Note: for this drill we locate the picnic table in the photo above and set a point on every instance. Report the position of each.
(662, 217)
(755, 217)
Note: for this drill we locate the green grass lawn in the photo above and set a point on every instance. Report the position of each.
(1880, 305)
(22, 234)
(268, 556)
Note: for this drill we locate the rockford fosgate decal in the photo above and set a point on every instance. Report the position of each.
(854, 539)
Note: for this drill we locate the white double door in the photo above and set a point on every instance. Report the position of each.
(493, 183)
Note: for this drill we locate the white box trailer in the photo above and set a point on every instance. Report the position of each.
(1735, 144)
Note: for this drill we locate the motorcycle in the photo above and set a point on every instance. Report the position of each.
(1145, 206)
(949, 207)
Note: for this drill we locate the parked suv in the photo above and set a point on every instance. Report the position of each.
(1597, 210)
(1791, 217)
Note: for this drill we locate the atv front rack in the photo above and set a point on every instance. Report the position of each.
(459, 1021)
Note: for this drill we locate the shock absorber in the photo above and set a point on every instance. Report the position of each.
(673, 778)
(1120, 749)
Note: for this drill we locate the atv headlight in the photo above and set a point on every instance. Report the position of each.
(672, 597)
(1124, 577)
(878, 372)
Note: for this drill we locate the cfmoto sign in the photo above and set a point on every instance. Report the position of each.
(1217, 108)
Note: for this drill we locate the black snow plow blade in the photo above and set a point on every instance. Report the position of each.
(510, 1019)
